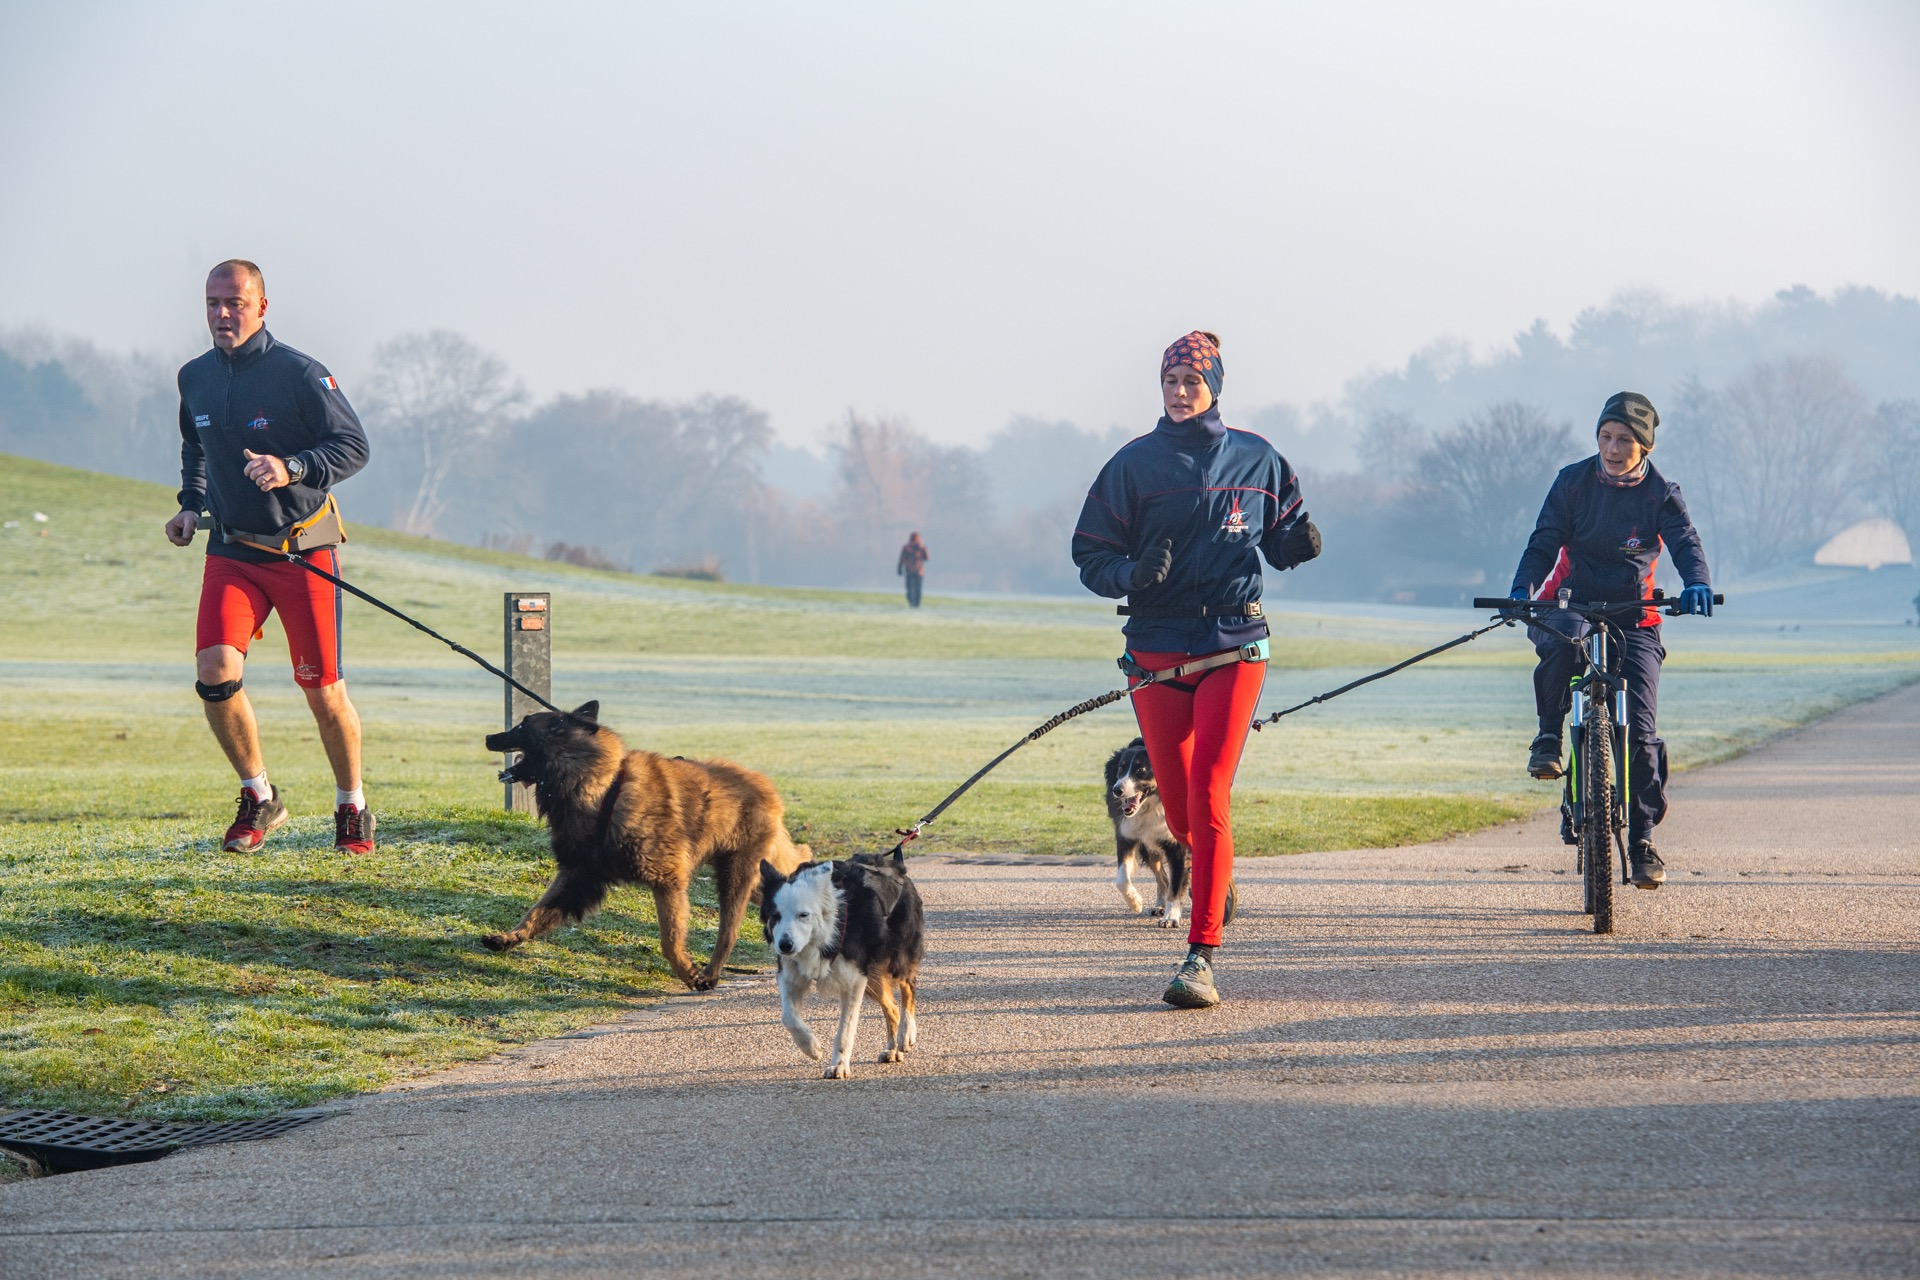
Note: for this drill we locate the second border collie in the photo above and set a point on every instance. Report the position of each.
(852, 929)
(1140, 834)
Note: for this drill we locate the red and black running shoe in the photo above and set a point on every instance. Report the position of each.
(256, 820)
(353, 829)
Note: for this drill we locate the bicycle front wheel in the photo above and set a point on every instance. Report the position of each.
(1596, 827)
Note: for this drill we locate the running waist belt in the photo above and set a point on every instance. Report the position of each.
(320, 530)
(1246, 609)
(1253, 651)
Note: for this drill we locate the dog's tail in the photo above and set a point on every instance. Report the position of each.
(786, 856)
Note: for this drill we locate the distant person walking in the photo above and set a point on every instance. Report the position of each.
(265, 433)
(1177, 522)
(913, 567)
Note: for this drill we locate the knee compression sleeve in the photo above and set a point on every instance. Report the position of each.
(216, 692)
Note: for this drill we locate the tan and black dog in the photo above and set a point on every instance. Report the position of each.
(632, 817)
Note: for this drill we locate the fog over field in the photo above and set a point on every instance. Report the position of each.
(751, 291)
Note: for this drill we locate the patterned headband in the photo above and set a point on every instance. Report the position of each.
(1200, 352)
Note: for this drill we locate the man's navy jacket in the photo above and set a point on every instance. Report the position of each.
(1216, 494)
(1611, 536)
(267, 397)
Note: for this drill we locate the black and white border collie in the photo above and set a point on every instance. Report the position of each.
(1140, 834)
(849, 928)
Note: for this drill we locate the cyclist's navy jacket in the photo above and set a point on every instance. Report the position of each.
(267, 397)
(1611, 538)
(1216, 494)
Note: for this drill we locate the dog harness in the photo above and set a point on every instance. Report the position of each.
(832, 950)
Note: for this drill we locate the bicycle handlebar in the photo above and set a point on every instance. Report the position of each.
(1670, 605)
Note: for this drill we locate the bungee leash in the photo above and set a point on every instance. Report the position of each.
(1262, 722)
(1256, 652)
(1141, 678)
(377, 603)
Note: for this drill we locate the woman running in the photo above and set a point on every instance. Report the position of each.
(1172, 524)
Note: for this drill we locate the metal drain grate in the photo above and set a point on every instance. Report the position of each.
(61, 1142)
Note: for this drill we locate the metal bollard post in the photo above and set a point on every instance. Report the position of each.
(530, 661)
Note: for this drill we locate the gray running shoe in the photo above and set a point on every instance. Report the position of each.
(256, 820)
(1543, 758)
(1644, 866)
(1192, 986)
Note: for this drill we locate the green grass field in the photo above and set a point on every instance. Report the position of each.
(143, 971)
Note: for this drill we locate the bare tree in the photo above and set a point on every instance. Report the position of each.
(882, 481)
(1479, 486)
(443, 395)
(1895, 462)
(1772, 460)
(648, 482)
(1390, 446)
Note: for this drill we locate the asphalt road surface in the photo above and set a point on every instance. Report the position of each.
(1426, 1065)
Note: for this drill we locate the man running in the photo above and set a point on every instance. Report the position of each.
(264, 434)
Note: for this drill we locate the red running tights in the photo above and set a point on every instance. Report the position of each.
(1195, 730)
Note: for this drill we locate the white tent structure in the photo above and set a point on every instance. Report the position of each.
(1866, 545)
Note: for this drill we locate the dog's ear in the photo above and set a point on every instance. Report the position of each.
(770, 880)
(1138, 742)
(587, 711)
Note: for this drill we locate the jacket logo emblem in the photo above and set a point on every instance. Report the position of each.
(260, 423)
(1236, 521)
(329, 383)
(202, 420)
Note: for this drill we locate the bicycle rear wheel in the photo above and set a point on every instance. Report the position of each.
(1596, 827)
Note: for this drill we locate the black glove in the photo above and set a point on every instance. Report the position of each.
(1302, 542)
(1518, 593)
(1153, 567)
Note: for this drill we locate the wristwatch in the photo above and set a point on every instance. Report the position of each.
(296, 469)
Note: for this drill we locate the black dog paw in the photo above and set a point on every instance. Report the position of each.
(497, 942)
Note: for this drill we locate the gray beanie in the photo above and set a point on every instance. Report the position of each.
(1635, 412)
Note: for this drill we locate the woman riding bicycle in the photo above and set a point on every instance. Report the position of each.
(1599, 536)
(1173, 523)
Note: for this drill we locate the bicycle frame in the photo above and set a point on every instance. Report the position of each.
(1600, 696)
(1599, 679)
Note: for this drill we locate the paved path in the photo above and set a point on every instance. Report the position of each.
(1425, 1066)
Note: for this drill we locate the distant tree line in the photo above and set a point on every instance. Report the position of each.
(1783, 423)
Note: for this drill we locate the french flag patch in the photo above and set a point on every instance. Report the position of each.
(329, 383)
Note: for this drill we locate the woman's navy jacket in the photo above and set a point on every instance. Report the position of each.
(1611, 537)
(1216, 494)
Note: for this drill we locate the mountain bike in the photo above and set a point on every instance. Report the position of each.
(1596, 791)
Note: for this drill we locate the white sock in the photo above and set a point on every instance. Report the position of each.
(356, 797)
(258, 786)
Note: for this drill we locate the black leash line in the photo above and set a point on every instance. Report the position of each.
(1091, 704)
(1261, 723)
(909, 834)
(377, 603)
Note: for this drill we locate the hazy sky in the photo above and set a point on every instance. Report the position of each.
(954, 212)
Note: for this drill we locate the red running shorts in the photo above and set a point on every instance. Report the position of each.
(236, 597)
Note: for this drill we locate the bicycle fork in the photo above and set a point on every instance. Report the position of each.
(1622, 742)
